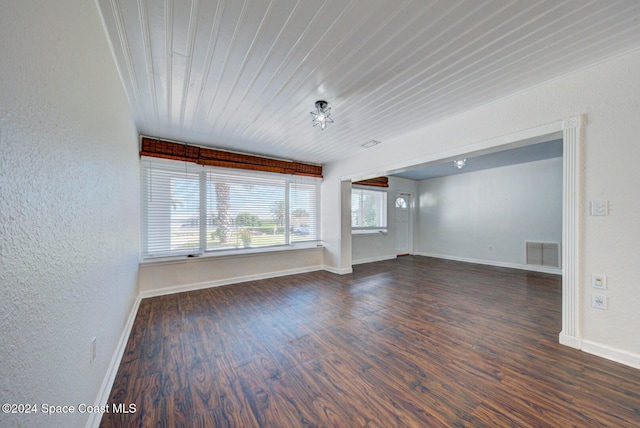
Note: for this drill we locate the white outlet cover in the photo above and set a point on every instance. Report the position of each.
(599, 301)
(599, 208)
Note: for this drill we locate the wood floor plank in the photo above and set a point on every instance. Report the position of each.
(147, 392)
(336, 375)
(414, 341)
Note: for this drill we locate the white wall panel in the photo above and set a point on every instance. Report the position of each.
(69, 208)
(488, 215)
(165, 277)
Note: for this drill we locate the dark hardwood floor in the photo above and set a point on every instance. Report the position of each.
(413, 342)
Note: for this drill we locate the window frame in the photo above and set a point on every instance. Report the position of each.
(288, 181)
(384, 203)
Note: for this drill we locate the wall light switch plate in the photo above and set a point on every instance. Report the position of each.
(599, 281)
(599, 208)
(92, 349)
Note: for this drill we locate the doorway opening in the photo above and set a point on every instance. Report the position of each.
(569, 130)
(403, 222)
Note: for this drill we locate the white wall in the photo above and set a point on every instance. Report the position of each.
(162, 277)
(336, 222)
(486, 216)
(607, 94)
(69, 207)
(368, 248)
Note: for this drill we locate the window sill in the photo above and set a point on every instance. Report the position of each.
(369, 233)
(228, 254)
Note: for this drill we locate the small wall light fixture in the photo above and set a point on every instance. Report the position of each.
(322, 115)
(460, 163)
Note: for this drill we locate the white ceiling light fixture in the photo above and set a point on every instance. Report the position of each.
(460, 163)
(322, 115)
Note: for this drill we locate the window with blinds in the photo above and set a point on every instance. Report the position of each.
(189, 209)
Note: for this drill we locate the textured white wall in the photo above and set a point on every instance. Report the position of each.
(367, 248)
(486, 216)
(69, 207)
(608, 94)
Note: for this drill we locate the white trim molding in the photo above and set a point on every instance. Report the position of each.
(571, 225)
(338, 271)
(374, 259)
(613, 354)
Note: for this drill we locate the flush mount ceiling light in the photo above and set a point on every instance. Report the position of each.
(460, 163)
(322, 115)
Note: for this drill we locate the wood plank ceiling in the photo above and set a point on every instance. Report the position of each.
(244, 75)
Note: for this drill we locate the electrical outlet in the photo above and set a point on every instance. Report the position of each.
(599, 281)
(92, 349)
(599, 208)
(599, 301)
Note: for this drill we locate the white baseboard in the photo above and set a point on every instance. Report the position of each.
(569, 341)
(114, 365)
(345, 271)
(613, 354)
(533, 268)
(603, 351)
(374, 259)
(226, 281)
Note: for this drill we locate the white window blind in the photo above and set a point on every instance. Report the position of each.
(245, 211)
(171, 207)
(190, 209)
(368, 210)
(303, 210)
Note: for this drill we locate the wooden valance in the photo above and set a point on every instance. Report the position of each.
(212, 157)
(376, 182)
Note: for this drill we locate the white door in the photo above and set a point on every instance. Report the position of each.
(402, 215)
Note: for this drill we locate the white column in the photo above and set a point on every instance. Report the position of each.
(571, 218)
